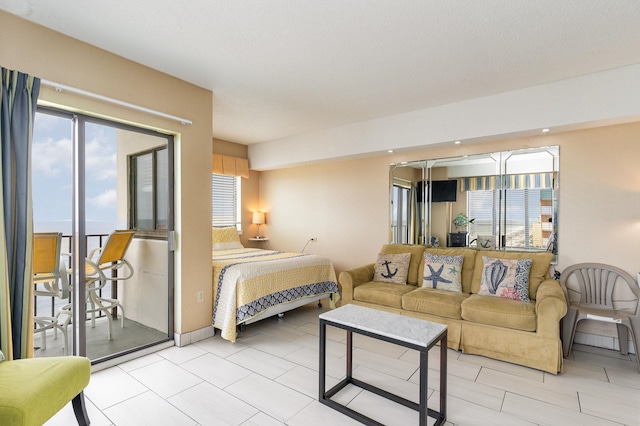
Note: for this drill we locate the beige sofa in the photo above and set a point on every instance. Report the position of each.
(525, 333)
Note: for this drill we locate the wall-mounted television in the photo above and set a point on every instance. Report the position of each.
(444, 190)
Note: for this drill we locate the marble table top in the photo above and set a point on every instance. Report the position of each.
(400, 327)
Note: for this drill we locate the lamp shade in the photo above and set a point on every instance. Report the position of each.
(258, 218)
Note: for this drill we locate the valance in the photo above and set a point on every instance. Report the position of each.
(530, 181)
(227, 165)
(522, 181)
(479, 183)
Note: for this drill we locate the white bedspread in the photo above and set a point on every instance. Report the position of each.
(248, 281)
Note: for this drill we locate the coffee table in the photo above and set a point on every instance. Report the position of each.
(408, 332)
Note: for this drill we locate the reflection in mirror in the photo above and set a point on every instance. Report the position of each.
(503, 200)
(408, 209)
(445, 225)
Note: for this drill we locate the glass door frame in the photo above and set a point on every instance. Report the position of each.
(78, 223)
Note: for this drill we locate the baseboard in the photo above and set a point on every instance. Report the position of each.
(131, 356)
(190, 337)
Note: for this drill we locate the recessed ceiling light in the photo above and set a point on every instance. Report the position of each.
(545, 130)
(390, 151)
(457, 142)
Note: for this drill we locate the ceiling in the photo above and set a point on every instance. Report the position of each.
(283, 68)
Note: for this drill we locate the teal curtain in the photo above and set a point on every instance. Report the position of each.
(18, 104)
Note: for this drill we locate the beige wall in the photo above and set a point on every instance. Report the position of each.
(345, 204)
(49, 55)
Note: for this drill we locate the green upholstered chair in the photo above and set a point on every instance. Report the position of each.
(33, 390)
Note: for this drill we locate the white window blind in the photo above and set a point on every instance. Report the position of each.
(226, 199)
(483, 206)
(526, 213)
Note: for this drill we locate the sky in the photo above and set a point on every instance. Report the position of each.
(52, 175)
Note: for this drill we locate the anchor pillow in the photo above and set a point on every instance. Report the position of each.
(442, 272)
(508, 278)
(392, 268)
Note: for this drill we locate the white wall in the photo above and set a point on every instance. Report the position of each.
(144, 296)
(598, 99)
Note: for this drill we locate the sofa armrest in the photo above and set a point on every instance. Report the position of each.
(352, 278)
(551, 307)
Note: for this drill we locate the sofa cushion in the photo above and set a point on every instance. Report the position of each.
(392, 268)
(500, 312)
(540, 262)
(505, 278)
(385, 294)
(467, 264)
(435, 302)
(442, 272)
(416, 259)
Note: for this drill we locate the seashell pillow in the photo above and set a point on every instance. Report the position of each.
(508, 278)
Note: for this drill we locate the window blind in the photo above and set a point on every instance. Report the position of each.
(225, 196)
(483, 206)
(525, 211)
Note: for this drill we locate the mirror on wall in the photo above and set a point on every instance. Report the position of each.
(500, 200)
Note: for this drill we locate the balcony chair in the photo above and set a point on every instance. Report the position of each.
(108, 258)
(50, 279)
(590, 295)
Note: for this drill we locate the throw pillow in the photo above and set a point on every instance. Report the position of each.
(508, 278)
(392, 268)
(486, 242)
(225, 238)
(442, 272)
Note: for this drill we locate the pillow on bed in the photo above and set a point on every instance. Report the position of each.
(225, 238)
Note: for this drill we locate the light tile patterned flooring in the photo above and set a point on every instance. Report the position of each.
(269, 377)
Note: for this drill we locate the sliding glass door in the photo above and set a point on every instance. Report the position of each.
(93, 181)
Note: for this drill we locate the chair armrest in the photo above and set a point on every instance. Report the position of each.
(352, 278)
(92, 254)
(551, 307)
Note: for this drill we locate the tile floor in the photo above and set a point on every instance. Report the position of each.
(269, 377)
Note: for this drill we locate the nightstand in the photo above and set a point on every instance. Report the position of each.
(261, 240)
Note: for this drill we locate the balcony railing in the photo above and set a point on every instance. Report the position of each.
(49, 306)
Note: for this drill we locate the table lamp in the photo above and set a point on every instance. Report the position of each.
(258, 219)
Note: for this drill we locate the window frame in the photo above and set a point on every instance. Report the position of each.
(154, 233)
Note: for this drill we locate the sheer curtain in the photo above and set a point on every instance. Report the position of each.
(17, 109)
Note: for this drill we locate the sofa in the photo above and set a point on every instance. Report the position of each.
(512, 329)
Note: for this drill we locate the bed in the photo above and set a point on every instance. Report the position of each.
(251, 284)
